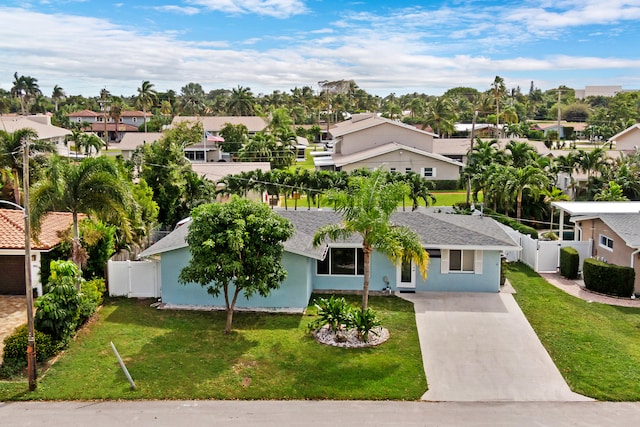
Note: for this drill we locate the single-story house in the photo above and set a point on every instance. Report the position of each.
(628, 140)
(218, 170)
(465, 256)
(41, 124)
(615, 239)
(12, 248)
(132, 140)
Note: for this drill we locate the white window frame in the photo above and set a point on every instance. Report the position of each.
(445, 261)
(605, 242)
(407, 170)
(328, 259)
(428, 172)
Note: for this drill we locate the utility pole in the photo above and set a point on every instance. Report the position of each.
(559, 114)
(473, 128)
(31, 338)
(104, 106)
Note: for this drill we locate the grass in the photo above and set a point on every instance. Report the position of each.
(186, 355)
(596, 347)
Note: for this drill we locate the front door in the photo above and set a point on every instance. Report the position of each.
(406, 275)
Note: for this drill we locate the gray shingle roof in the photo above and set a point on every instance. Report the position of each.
(436, 230)
(627, 226)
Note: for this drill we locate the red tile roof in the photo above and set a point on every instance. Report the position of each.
(12, 229)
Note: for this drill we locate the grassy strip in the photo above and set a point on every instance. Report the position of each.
(186, 355)
(596, 347)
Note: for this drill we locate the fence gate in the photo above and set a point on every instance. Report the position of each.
(134, 279)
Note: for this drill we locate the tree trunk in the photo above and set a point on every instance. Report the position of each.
(519, 206)
(366, 249)
(230, 307)
(16, 187)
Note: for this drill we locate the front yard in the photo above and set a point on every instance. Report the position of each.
(596, 347)
(186, 355)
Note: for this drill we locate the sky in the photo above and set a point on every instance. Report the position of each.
(384, 46)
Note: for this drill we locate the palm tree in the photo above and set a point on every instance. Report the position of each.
(366, 210)
(192, 98)
(57, 96)
(554, 195)
(419, 188)
(531, 179)
(147, 95)
(498, 89)
(522, 154)
(241, 102)
(93, 186)
(11, 153)
(25, 88)
(611, 193)
(441, 115)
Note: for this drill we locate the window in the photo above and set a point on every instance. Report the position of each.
(428, 172)
(460, 261)
(194, 155)
(606, 242)
(134, 119)
(342, 262)
(407, 170)
(392, 170)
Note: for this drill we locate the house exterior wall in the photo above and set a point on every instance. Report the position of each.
(402, 159)
(383, 134)
(294, 292)
(619, 255)
(630, 141)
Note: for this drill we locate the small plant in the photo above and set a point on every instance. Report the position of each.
(333, 311)
(364, 322)
(91, 296)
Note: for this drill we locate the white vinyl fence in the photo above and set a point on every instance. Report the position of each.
(134, 279)
(543, 256)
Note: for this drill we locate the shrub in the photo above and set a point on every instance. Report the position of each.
(91, 296)
(447, 184)
(609, 279)
(569, 262)
(57, 311)
(333, 311)
(15, 346)
(363, 322)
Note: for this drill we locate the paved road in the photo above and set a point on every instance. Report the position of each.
(479, 347)
(317, 413)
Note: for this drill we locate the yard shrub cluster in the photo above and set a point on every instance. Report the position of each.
(609, 279)
(569, 262)
(339, 315)
(447, 184)
(59, 313)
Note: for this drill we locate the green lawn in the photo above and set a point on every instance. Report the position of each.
(596, 347)
(186, 355)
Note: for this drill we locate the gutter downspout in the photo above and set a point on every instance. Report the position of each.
(633, 295)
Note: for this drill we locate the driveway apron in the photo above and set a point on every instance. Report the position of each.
(480, 347)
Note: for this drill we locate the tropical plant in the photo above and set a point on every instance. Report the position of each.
(366, 210)
(241, 102)
(147, 95)
(531, 179)
(364, 322)
(332, 312)
(244, 238)
(611, 193)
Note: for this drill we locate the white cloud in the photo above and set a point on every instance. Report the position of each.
(273, 8)
(184, 10)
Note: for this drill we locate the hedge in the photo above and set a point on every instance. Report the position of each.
(609, 279)
(15, 346)
(447, 184)
(569, 262)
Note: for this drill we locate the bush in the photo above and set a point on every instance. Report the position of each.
(569, 262)
(524, 229)
(447, 184)
(609, 279)
(333, 311)
(91, 296)
(363, 322)
(15, 346)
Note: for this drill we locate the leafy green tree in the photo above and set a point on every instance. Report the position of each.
(235, 136)
(366, 210)
(611, 193)
(192, 99)
(236, 247)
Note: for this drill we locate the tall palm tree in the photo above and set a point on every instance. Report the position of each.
(241, 102)
(25, 88)
(192, 99)
(530, 179)
(419, 188)
(366, 210)
(441, 116)
(553, 195)
(498, 89)
(11, 153)
(57, 96)
(147, 95)
(93, 186)
(522, 154)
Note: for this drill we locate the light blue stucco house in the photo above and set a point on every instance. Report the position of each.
(465, 253)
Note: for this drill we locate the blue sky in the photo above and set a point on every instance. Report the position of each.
(386, 47)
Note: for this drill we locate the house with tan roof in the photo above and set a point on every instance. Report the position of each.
(12, 248)
(628, 140)
(369, 141)
(41, 124)
(99, 123)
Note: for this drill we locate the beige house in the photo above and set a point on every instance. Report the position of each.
(369, 141)
(628, 140)
(615, 239)
(41, 124)
(131, 141)
(218, 170)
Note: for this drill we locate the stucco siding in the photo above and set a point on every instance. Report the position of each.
(383, 134)
(294, 292)
(401, 160)
(487, 281)
(629, 141)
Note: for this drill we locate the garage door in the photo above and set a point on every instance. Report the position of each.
(12, 275)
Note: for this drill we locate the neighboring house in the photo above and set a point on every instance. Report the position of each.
(458, 148)
(12, 248)
(99, 123)
(369, 141)
(216, 171)
(628, 140)
(465, 254)
(131, 141)
(615, 239)
(207, 150)
(41, 124)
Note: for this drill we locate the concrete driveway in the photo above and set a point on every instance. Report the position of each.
(13, 313)
(479, 347)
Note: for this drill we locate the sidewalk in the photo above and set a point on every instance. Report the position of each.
(577, 289)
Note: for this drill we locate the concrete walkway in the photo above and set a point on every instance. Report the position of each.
(13, 313)
(479, 347)
(578, 290)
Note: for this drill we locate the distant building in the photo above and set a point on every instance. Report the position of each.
(597, 91)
